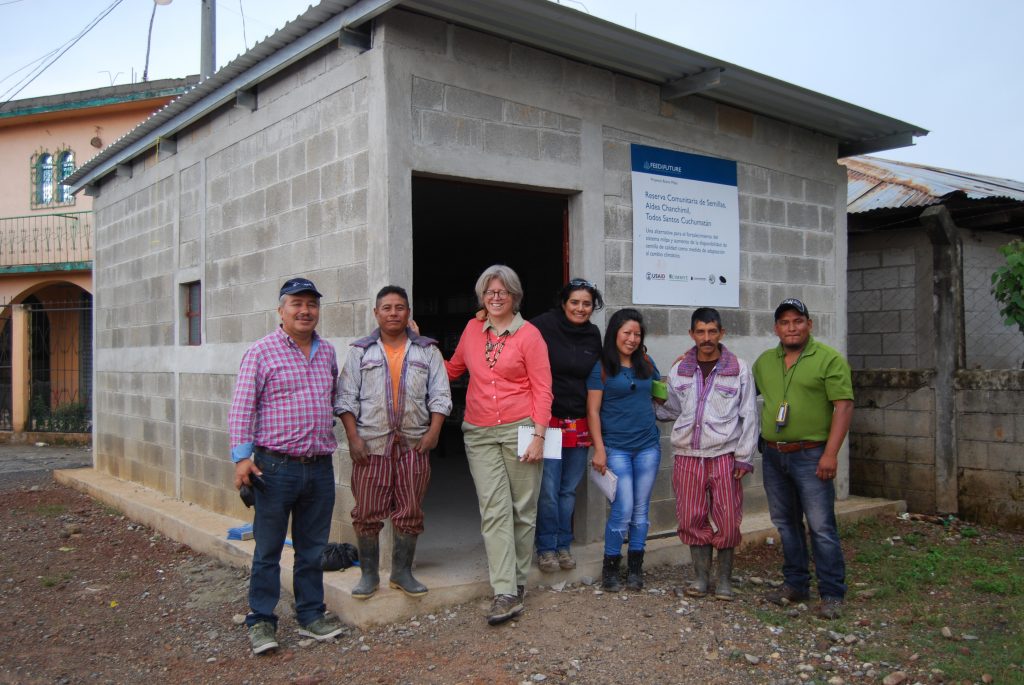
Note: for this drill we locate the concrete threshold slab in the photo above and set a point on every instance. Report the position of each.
(461, 578)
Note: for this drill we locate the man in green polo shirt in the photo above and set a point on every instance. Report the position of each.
(808, 405)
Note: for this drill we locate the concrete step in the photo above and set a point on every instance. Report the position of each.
(457, 575)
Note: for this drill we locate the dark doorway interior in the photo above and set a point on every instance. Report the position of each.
(459, 229)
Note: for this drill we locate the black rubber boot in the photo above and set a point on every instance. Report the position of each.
(635, 563)
(369, 563)
(701, 555)
(723, 587)
(401, 566)
(610, 573)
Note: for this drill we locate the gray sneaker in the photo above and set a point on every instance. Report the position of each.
(829, 608)
(262, 636)
(322, 629)
(547, 562)
(503, 608)
(565, 560)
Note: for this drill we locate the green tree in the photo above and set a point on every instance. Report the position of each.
(1008, 284)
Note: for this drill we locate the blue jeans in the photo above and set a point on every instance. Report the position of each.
(636, 471)
(306, 493)
(794, 491)
(557, 498)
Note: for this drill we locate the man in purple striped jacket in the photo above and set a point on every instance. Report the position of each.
(393, 400)
(282, 443)
(712, 397)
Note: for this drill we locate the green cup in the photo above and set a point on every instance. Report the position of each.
(659, 390)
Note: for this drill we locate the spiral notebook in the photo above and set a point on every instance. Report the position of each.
(552, 441)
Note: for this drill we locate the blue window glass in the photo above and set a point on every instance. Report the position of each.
(44, 179)
(65, 167)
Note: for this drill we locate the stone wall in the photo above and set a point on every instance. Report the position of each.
(892, 438)
(892, 441)
(990, 446)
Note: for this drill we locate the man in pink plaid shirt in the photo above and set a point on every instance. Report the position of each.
(282, 444)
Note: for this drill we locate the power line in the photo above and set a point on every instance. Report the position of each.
(21, 85)
(35, 61)
(245, 41)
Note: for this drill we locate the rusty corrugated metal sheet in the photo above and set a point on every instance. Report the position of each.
(874, 183)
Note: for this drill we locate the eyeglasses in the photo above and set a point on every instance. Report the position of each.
(581, 283)
(496, 294)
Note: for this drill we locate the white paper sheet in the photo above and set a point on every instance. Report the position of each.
(606, 483)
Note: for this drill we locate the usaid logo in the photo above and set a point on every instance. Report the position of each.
(655, 277)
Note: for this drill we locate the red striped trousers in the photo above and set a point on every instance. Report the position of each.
(390, 487)
(706, 492)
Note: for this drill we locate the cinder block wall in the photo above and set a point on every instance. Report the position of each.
(892, 439)
(889, 306)
(990, 446)
(249, 199)
(990, 343)
(134, 307)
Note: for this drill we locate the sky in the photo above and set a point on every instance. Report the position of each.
(951, 67)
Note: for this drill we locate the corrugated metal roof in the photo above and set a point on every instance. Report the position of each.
(875, 183)
(539, 23)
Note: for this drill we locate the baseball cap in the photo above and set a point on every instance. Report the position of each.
(794, 304)
(298, 285)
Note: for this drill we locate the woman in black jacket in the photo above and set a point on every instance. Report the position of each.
(574, 346)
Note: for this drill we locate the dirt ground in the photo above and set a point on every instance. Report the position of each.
(88, 596)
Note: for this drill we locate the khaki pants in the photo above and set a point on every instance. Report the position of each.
(506, 489)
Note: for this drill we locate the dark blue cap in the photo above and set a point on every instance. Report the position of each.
(298, 285)
(794, 304)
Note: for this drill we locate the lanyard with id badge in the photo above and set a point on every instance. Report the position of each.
(782, 415)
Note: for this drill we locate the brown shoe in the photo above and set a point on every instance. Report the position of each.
(565, 560)
(829, 608)
(785, 595)
(548, 562)
(503, 608)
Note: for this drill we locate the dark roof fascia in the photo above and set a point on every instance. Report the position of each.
(98, 97)
(996, 214)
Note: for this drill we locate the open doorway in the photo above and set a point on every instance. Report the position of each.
(459, 229)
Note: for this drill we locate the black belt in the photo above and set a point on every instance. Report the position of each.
(796, 446)
(313, 458)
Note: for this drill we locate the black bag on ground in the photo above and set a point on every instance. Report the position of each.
(338, 556)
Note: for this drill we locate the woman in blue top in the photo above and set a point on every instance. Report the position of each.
(626, 441)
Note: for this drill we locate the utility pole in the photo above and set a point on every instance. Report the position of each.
(208, 40)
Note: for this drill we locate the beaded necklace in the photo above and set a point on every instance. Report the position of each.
(492, 349)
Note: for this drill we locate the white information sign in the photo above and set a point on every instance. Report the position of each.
(686, 229)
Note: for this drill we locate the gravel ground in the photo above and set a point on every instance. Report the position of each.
(88, 596)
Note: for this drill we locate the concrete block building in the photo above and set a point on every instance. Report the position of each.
(937, 374)
(416, 142)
